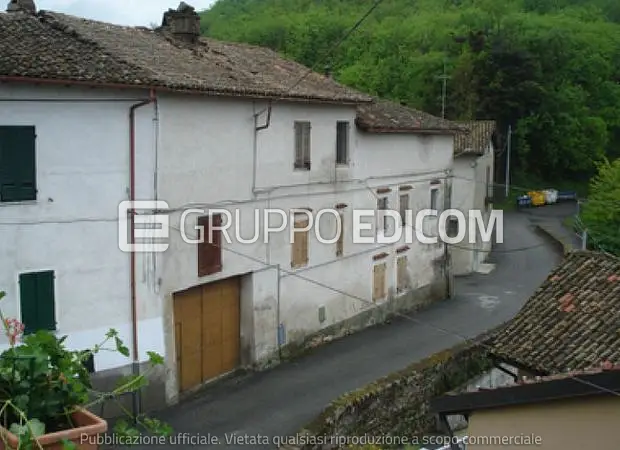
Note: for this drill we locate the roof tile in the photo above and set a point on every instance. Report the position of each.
(51, 45)
(571, 322)
(384, 116)
(477, 140)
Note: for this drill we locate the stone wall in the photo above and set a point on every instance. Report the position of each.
(398, 405)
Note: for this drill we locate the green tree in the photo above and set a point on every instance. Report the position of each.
(601, 214)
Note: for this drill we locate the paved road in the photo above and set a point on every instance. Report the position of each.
(551, 217)
(279, 402)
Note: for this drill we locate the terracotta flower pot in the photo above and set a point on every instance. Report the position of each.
(84, 435)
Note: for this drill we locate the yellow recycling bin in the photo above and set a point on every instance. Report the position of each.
(538, 198)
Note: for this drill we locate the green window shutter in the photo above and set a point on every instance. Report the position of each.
(37, 301)
(17, 164)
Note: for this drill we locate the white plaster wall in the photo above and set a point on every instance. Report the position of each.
(469, 193)
(82, 157)
(464, 198)
(205, 159)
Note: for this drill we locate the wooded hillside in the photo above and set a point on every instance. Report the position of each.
(549, 68)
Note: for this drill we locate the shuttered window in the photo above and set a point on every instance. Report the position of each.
(340, 241)
(210, 249)
(302, 145)
(378, 282)
(402, 274)
(382, 205)
(435, 199)
(36, 295)
(299, 248)
(17, 164)
(342, 143)
(404, 207)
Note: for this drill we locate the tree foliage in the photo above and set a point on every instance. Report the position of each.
(601, 215)
(548, 68)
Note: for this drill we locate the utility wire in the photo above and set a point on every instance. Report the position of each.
(398, 314)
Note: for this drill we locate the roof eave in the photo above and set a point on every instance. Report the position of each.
(162, 88)
(380, 130)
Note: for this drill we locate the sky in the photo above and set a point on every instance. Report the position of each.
(120, 12)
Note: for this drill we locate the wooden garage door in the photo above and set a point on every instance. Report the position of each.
(207, 331)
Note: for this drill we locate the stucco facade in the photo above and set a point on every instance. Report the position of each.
(567, 424)
(204, 152)
(473, 181)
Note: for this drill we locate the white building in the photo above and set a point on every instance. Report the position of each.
(474, 157)
(93, 114)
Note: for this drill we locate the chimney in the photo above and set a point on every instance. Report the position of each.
(328, 71)
(21, 5)
(183, 23)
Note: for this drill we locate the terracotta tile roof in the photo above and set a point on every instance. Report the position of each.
(57, 46)
(572, 321)
(384, 116)
(477, 141)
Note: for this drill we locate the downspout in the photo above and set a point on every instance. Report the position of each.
(258, 128)
(132, 255)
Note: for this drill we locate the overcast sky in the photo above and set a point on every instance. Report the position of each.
(121, 12)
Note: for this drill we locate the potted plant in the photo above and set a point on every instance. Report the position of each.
(46, 390)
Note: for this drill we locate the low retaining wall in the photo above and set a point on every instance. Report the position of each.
(396, 405)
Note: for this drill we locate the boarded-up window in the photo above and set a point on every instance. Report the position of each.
(382, 206)
(402, 275)
(378, 282)
(340, 242)
(299, 250)
(435, 199)
(404, 207)
(17, 164)
(452, 227)
(36, 292)
(210, 247)
(302, 145)
(342, 143)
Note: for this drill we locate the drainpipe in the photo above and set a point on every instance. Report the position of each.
(132, 255)
(258, 128)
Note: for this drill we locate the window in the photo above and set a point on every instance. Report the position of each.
(340, 241)
(378, 282)
(404, 207)
(210, 249)
(435, 199)
(489, 188)
(36, 294)
(17, 164)
(452, 227)
(299, 257)
(342, 143)
(382, 205)
(402, 275)
(302, 145)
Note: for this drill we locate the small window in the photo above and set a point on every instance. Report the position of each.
(402, 275)
(37, 301)
(452, 227)
(302, 145)
(342, 143)
(378, 282)
(340, 241)
(299, 256)
(382, 205)
(210, 249)
(17, 164)
(404, 207)
(435, 199)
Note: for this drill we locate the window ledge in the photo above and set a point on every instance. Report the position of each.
(19, 203)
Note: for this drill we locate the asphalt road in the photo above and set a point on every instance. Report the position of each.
(280, 401)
